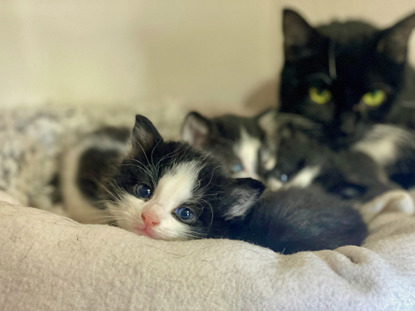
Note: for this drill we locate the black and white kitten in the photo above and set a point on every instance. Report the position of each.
(382, 159)
(280, 150)
(346, 76)
(171, 191)
(239, 143)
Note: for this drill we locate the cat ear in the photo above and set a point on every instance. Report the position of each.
(267, 121)
(244, 193)
(145, 136)
(298, 35)
(196, 129)
(394, 41)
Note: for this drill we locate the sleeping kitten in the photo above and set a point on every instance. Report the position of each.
(346, 76)
(171, 191)
(297, 219)
(284, 153)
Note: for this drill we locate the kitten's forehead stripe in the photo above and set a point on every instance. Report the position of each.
(177, 185)
(247, 150)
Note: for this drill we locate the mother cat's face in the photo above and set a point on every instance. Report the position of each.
(345, 76)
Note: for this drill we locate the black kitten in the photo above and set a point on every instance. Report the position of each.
(168, 190)
(295, 219)
(345, 76)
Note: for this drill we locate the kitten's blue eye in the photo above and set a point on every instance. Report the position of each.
(143, 191)
(236, 168)
(283, 177)
(185, 214)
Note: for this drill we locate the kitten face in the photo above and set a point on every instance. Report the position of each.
(237, 142)
(303, 161)
(298, 154)
(153, 210)
(168, 190)
(344, 76)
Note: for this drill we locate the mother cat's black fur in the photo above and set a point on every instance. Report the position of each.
(338, 64)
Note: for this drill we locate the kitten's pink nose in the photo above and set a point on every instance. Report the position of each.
(150, 219)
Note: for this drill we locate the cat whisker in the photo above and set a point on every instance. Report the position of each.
(142, 167)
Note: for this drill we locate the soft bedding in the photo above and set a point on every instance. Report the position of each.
(49, 262)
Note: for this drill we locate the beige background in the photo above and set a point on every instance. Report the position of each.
(218, 51)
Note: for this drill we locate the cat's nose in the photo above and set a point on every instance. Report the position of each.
(150, 219)
(348, 124)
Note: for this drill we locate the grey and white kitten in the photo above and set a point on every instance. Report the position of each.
(171, 191)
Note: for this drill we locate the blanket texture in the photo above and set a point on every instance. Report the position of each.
(49, 262)
(32, 140)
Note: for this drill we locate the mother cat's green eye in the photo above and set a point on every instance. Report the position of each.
(374, 98)
(319, 96)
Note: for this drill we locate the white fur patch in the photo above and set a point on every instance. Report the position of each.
(305, 177)
(174, 188)
(274, 184)
(241, 208)
(247, 151)
(268, 160)
(382, 143)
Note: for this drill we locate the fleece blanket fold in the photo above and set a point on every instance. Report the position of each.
(49, 262)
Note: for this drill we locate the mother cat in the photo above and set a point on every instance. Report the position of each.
(347, 76)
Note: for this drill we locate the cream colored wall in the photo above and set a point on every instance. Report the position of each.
(65, 51)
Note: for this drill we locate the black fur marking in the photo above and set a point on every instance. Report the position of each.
(94, 165)
(295, 220)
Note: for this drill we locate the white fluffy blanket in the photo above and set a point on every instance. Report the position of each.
(49, 262)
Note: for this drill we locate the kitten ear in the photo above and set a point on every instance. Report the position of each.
(244, 192)
(298, 35)
(267, 121)
(394, 41)
(196, 129)
(145, 136)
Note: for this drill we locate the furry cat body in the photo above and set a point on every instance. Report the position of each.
(85, 165)
(345, 76)
(297, 219)
(393, 148)
(169, 190)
